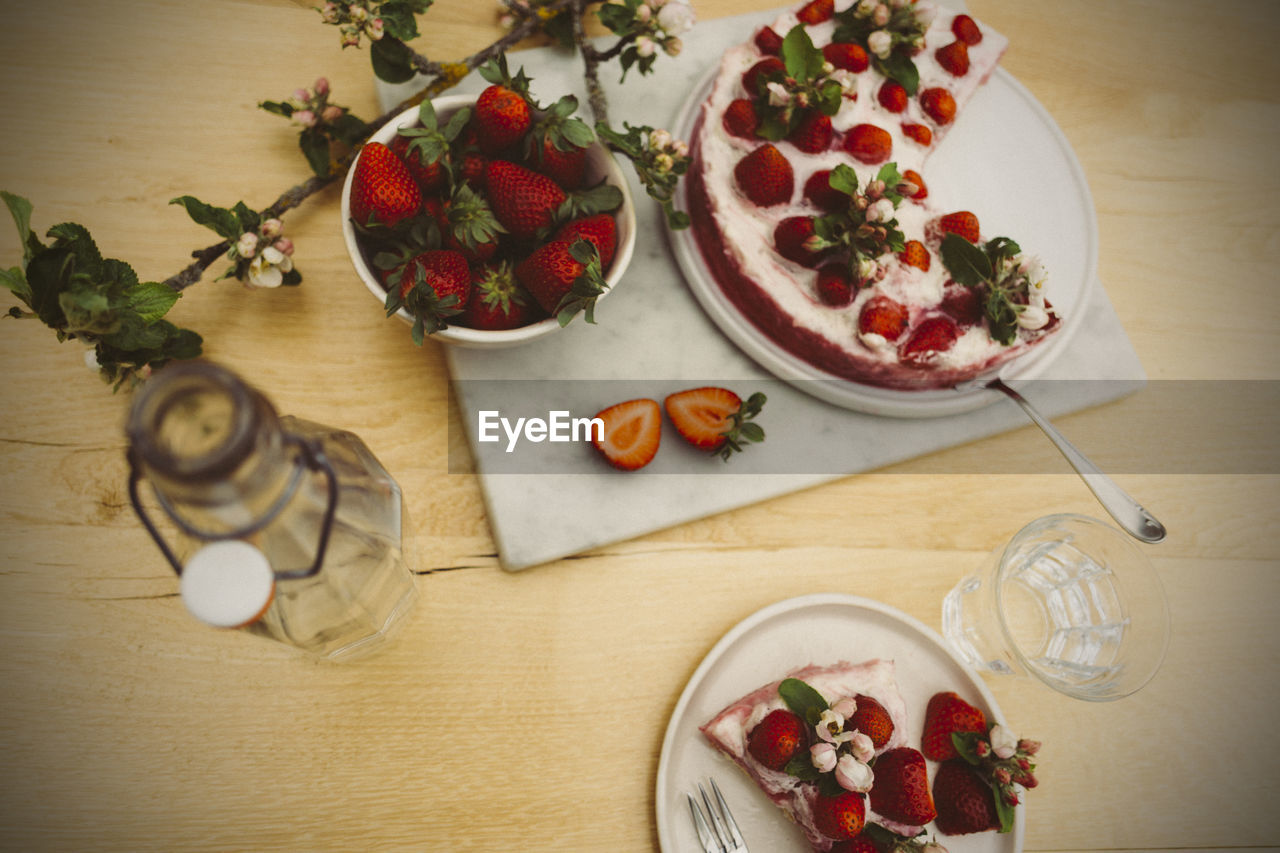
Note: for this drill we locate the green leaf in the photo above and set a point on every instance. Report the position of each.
(900, 67)
(398, 19)
(803, 699)
(801, 767)
(15, 280)
(87, 311)
(844, 179)
(315, 147)
(1004, 811)
(348, 129)
(220, 220)
(752, 432)
(277, 108)
(391, 61)
(967, 264)
(20, 209)
(152, 300)
(248, 219)
(803, 60)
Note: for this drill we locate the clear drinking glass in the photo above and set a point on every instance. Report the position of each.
(1071, 601)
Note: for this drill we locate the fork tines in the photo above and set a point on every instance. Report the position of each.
(717, 831)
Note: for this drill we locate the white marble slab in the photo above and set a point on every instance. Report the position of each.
(652, 331)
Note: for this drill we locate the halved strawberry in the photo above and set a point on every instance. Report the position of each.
(631, 435)
(935, 335)
(884, 317)
(901, 789)
(741, 119)
(382, 189)
(813, 133)
(966, 30)
(913, 177)
(751, 78)
(792, 238)
(600, 229)
(868, 143)
(816, 11)
(842, 816)
(777, 738)
(954, 58)
(947, 713)
(846, 55)
(965, 802)
(768, 41)
(939, 104)
(892, 96)
(701, 415)
(962, 223)
(765, 176)
(872, 720)
(835, 285)
(919, 132)
(915, 254)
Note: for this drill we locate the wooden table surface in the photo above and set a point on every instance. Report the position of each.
(526, 711)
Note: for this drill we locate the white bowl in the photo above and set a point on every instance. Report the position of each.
(600, 164)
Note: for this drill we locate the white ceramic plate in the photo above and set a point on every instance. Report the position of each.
(1006, 160)
(818, 629)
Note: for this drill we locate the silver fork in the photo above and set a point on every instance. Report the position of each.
(718, 831)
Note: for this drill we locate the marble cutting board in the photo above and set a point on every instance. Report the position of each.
(653, 334)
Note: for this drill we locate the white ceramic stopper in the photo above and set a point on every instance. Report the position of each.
(228, 584)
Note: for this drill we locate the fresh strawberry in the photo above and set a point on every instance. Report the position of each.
(884, 317)
(962, 304)
(966, 30)
(427, 173)
(715, 419)
(791, 239)
(901, 789)
(765, 176)
(868, 143)
(915, 254)
(433, 286)
(965, 802)
(892, 96)
(934, 335)
(558, 143)
(498, 301)
(919, 132)
(961, 223)
(523, 200)
(954, 58)
(939, 105)
(818, 190)
(473, 167)
(631, 435)
(502, 116)
(424, 147)
(382, 190)
(816, 11)
(913, 177)
(840, 817)
(564, 278)
(565, 167)
(600, 229)
(872, 720)
(780, 735)
(751, 78)
(768, 41)
(469, 226)
(813, 134)
(947, 713)
(741, 119)
(835, 285)
(850, 57)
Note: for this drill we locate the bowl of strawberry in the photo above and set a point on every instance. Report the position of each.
(488, 221)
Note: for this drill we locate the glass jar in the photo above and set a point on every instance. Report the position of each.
(281, 526)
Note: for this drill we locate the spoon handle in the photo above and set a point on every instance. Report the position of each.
(1130, 514)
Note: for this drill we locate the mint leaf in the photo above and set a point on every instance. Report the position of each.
(803, 699)
(803, 60)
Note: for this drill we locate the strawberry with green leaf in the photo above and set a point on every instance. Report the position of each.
(503, 112)
(716, 419)
(469, 226)
(433, 287)
(889, 46)
(1005, 281)
(999, 762)
(796, 95)
(529, 204)
(565, 278)
(557, 143)
(864, 225)
(382, 189)
(424, 148)
(497, 301)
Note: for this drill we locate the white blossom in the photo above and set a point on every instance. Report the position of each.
(268, 268)
(880, 210)
(247, 244)
(853, 775)
(1030, 317)
(1004, 742)
(646, 46)
(823, 756)
(778, 95)
(676, 17)
(880, 43)
(862, 747)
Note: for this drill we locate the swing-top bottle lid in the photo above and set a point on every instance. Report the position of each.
(228, 584)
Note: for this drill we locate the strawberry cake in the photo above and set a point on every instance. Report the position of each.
(809, 197)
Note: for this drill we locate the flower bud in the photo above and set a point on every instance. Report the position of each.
(643, 13)
(867, 269)
(880, 211)
(778, 95)
(862, 747)
(982, 748)
(302, 96)
(823, 756)
(646, 46)
(880, 16)
(329, 13)
(357, 13)
(659, 139)
(866, 8)
(853, 775)
(351, 38)
(1002, 775)
(305, 118)
(247, 244)
(846, 707)
(271, 228)
(321, 86)
(284, 246)
(673, 46)
(1003, 741)
(663, 162)
(880, 43)
(680, 148)
(676, 17)
(374, 29)
(1030, 747)
(332, 113)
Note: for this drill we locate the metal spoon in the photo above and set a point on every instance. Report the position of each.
(1127, 512)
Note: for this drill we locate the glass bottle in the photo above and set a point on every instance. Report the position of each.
(281, 526)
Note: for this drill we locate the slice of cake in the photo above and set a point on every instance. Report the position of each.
(808, 742)
(809, 197)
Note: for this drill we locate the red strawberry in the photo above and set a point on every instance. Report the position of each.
(915, 254)
(701, 416)
(939, 105)
(919, 132)
(752, 76)
(790, 238)
(954, 58)
(473, 167)
(427, 173)
(501, 117)
(947, 713)
(765, 176)
(523, 200)
(872, 720)
(962, 304)
(884, 317)
(850, 57)
(553, 273)
(840, 817)
(818, 190)
(892, 96)
(965, 802)
(868, 143)
(741, 118)
(382, 189)
(966, 30)
(912, 176)
(468, 225)
(631, 434)
(934, 335)
(558, 142)
(861, 844)
(433, 286)
(962, 223)
(768, 41)
(835, 285)
(901, 789)
(816, 11)
(566, 167)
(601, 230)
(498, 301)
(813, 134)
(780, 735)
